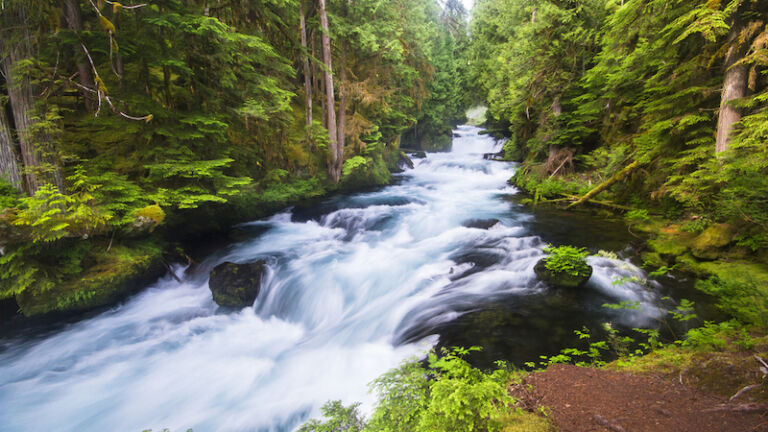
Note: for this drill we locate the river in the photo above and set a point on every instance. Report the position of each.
(357, 284)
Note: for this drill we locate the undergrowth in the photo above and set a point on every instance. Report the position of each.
(444, 393)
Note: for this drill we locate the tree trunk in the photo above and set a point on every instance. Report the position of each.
(35, 145)
(73, 18)
(329, 95)
(307, 74)
(9, 166)
(342, 111)
(734, 87)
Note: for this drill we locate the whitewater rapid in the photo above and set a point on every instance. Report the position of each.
(348, 287)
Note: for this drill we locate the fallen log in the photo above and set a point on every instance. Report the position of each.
(606, 184)
(598, 202)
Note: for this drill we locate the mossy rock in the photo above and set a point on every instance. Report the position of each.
(562, 279)
(667, 247)
(236, 285)
(707, 245)
(122, 271)
(653, 259)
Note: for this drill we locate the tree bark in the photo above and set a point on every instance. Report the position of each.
(36, 146)
(734, 87)
(329, 95)
(73, 18)
(342, 111)
(307, 73)
(9, 166)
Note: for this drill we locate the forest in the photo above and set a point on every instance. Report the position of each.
(332, 149)
(126, 127)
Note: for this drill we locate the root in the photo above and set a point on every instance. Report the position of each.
(746, 408)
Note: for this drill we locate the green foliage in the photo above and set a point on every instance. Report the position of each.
(567, 259)
(340, 419)
(546, 187)
(632, 81)
(364, 171)
(638, 215)
(446, 393)
(743, 299)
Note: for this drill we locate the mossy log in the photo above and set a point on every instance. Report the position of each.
(606, 184)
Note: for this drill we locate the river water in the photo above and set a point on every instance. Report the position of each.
(356, 285)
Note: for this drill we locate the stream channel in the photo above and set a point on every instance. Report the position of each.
(356, 284)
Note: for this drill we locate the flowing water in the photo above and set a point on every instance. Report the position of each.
(356, 284)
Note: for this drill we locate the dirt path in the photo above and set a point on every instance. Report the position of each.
(594, 400)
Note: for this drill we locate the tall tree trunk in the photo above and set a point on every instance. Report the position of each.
(307, 75)
(35, 145)
(73, 18)
(329, 95)
(9, 166)
(734, 87)
(342, 111)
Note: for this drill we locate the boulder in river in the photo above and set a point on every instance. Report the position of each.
(480, 223)
(562, 279)
(404, 162)
(498, 156)
(236, 285)
(418, 155)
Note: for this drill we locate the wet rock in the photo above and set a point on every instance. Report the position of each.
(707, 244)
(403, 163)
(561, 279)
(418, 155)
(494, 156)
(236, 285)
(480, 223)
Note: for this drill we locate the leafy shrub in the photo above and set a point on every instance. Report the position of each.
(567, 259)
(741, 299)
(445, 394)
(638, 215)
(340, 418)
(695, 225)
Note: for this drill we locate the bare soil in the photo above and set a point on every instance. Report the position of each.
(597, 400)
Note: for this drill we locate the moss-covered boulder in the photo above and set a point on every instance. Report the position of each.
(236, 285)
(707, 245)
(668, 248)
(562, 279)
(112, 276)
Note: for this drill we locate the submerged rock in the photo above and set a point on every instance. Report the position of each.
(561, 279)
(480, 223)
(418, 155)
(236, 285)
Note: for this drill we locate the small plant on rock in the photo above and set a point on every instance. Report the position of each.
(567, 259)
